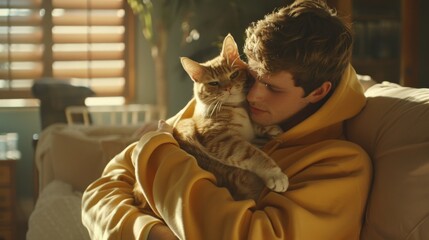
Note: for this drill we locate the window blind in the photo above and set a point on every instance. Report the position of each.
(21, 44)
(87, 41)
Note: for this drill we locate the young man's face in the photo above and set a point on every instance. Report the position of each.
(275, 98)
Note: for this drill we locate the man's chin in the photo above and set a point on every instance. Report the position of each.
(259, 121)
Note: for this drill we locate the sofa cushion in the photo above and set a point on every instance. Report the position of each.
(79, 153)
(394, 129)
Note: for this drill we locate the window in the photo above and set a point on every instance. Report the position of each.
(87, 41)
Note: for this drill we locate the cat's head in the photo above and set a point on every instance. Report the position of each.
(220, 80)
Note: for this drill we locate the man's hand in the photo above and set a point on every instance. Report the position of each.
(163, 126)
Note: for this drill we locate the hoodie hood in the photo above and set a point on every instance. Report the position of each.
(327, 123)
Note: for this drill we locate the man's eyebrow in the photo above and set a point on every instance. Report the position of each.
(261, 80)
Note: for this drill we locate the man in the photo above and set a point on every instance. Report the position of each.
(299, 57)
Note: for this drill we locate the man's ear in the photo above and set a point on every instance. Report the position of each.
(319, 93)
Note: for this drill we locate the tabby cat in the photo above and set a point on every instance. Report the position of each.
(220, 132)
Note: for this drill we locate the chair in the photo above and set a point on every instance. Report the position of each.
(131, 114)
(55, 96)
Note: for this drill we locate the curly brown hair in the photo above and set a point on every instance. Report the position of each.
(306, 38)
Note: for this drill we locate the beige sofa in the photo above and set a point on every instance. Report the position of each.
(393, 128)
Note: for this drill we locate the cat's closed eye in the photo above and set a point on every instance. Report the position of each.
(214, 84)
(233, 75)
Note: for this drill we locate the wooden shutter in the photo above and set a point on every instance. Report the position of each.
(87, 41)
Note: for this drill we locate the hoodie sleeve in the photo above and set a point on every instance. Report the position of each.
(326, 198)
(108, 210)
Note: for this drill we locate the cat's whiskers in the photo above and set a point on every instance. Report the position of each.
(213, 107)
(210, 107)
(217, 107)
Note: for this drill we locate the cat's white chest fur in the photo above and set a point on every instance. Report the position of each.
(238, 121)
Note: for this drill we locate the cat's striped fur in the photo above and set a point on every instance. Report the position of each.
(220, 132)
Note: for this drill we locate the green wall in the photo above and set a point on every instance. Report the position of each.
(25, 122)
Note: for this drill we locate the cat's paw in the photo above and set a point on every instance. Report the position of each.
(278, 182)
(274, 131)
(270, 131)
(163, 126)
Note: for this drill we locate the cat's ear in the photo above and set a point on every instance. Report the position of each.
(194, 69)
(230, 49)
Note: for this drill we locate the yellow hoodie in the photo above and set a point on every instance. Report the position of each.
(329, 184)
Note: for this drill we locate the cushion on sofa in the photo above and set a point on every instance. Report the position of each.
(394, 129)
(79, 154)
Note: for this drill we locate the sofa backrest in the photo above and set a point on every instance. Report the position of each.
(394, 129)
